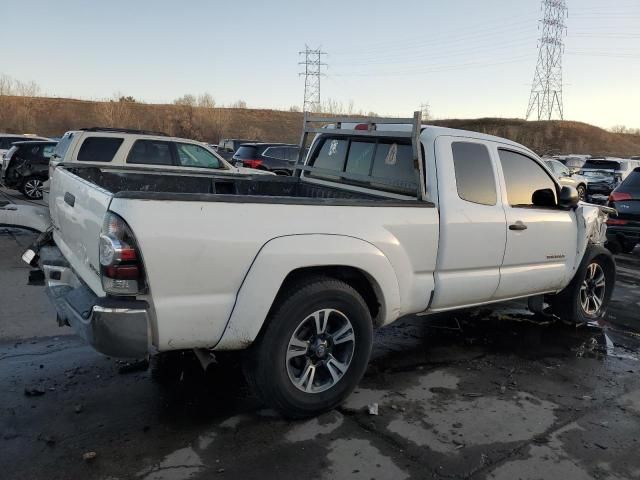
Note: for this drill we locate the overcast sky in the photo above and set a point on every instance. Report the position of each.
(466, 58)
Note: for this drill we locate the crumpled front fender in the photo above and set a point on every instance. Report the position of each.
(592, 229)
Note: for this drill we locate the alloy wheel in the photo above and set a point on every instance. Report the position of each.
(320, 351)
(33, 188)
(593, 289)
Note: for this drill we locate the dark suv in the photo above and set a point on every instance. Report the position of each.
(228, 146)
(278, 158)
(623, 231)
(25, 167)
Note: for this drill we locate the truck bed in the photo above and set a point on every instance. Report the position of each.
(154, 185)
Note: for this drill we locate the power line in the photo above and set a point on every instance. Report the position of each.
(546, 92)
(312, 72)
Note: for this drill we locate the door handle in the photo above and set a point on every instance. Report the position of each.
(69, 199)
(518, 226)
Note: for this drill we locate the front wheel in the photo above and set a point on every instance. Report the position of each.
(32, 188)
(582, 192)
(588, 295)
(314, 349)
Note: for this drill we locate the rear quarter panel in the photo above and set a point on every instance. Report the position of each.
(197, 255)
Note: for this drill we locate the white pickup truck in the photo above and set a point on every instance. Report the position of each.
(382, 219)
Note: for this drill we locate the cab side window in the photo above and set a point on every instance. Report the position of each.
(99, 149)
(150, 152)
(524, 177)
(474, 173)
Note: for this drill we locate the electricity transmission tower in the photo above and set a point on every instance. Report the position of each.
(312, 73)
(546, 93)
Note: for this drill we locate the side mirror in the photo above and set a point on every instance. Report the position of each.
(544, 198)
(569, 198)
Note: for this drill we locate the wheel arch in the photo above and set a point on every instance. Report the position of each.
(286, 261)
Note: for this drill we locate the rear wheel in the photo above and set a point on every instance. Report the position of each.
(588, 295)
(314, 349)
(582, 192)
(32, 187)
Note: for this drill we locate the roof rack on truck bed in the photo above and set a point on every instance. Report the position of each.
(364, 127)
(123, 130)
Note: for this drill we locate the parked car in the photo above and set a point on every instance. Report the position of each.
(565, 177)
(623, 230)
(574, 164)
(138, 149)
(279, 158)
(228, 146)
(299, 270)
(7, 139)
(25, 167)
(605, 174)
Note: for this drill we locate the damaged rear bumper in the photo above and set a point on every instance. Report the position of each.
(115, 327)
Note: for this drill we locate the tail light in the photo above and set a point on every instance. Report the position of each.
(364, 126)
(616, 221)
(252, 163)
(121, 267)
(619, 196)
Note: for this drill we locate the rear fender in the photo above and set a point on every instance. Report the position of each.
(281, 256)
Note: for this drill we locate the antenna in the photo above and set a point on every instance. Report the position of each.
(312, 72)
(546, 92)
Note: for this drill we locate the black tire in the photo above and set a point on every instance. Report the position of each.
(31, 187)
(268, 369)
(582, 192)
(568, 304)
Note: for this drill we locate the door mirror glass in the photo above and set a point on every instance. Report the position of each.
(569, 197)
(544, 197)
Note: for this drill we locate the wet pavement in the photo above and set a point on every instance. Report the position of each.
(486, 393)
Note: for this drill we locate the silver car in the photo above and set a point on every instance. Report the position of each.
(566, 177)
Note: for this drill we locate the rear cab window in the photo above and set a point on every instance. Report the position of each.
(99, 149)
(384, 164)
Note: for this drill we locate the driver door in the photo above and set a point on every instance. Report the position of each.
(541, 241)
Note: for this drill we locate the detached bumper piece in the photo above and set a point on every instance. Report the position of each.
(115, 327)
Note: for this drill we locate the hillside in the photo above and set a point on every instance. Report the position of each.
(53, 116)
(553, 137)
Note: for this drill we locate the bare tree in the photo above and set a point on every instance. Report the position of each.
(239, 104)
(206, 100)
(187, 99)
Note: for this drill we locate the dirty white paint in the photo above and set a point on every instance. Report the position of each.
(357, 459)
(181, 464)
(315, 427)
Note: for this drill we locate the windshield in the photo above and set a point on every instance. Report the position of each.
(63, 146)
